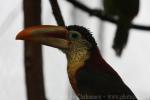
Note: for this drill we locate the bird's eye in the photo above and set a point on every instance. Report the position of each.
(74, 35)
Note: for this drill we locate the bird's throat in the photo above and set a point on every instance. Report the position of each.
(76, 60)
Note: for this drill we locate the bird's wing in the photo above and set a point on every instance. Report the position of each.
(100, 84)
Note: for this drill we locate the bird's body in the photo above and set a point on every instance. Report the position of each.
(96, 79)
(124, 11)
(90, 76)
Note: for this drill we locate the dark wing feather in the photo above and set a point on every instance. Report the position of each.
(101, 86)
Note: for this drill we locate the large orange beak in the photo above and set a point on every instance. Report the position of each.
(55, 36)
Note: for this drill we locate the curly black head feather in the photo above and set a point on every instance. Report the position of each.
(85, 33)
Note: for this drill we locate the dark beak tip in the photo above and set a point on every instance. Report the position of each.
(21, 36)
(18, 37)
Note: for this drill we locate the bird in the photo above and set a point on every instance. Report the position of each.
(125, 11)
(90, 76)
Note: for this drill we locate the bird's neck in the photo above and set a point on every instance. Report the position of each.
(76, 60)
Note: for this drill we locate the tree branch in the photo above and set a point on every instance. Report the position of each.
(57, 12)
(101, 15)
(33, 53)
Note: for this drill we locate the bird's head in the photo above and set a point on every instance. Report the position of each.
(64, 38)
(75, 41)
